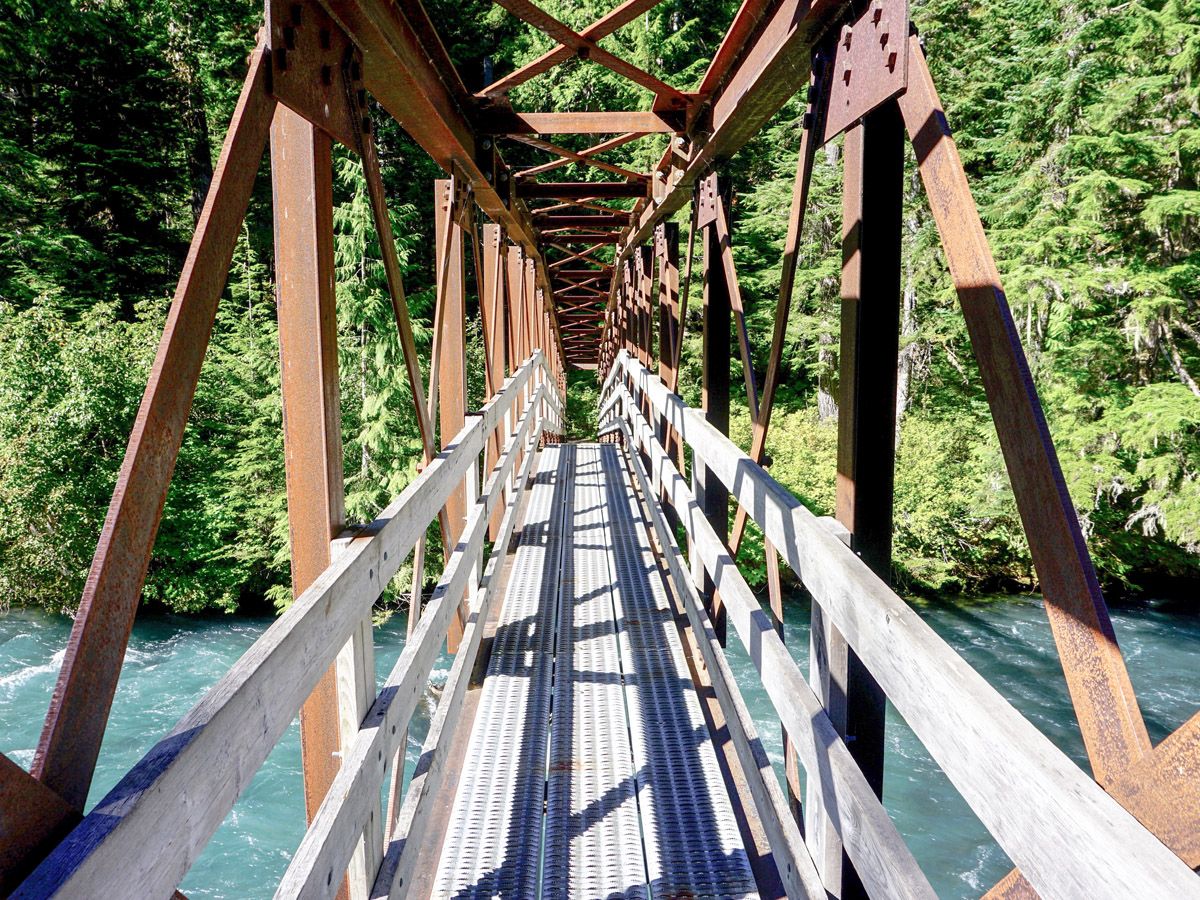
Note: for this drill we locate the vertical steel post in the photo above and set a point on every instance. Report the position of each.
(711, 494)
(495, 338)
(452, 347)
(871, 239)
(666, 248)
(302, 184)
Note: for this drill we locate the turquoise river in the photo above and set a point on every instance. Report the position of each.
(172, 660)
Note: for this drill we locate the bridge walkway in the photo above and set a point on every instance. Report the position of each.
(589, 771)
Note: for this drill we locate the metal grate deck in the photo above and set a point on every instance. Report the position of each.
(593, 838)
(590, 770)
(493, 841)
(693, 847)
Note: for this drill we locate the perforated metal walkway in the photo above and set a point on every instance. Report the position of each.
(589, 772)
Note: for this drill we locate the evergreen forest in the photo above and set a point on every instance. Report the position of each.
(1079, 125)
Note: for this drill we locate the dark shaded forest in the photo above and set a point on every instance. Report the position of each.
(1079, 125)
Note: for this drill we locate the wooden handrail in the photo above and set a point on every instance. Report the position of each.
(142, 838)
(327, 845)
(870, 837)
(401, 853)
(1019, 784)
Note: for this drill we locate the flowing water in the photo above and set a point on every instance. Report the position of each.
(172, 660)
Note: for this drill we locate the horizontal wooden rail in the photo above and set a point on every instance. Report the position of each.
(142, 838)
(793, 862)
(401, 854)
(343, 815)
(869, 835)
(1068, 837)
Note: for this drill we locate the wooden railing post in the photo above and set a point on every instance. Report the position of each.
(871, 236)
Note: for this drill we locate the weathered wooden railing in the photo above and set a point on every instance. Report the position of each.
(1069, 838)
(146, 833)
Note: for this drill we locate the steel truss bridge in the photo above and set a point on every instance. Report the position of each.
(591, 740)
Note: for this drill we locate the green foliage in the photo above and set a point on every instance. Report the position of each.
(583, 399)
(1079, 125)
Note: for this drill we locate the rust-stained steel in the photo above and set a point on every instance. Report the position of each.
(724, 240)
(451, 338)
(310, 60)
(597, 220)
(569, 156)
(33, 819)
(1109, 718)
(1162, 790)
(768, 72)
(70, 743)
(495, 337)
(509, 122)
(573, 190)
(873, 195)
(622, 15)
(596, 238)
(589, 49)
(804, 163)
(870, 64)
(711, 495)
(587, 157)
(302, 183)
(409, 72)
(746, 23)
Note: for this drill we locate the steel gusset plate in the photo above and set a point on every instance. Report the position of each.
(870, 64)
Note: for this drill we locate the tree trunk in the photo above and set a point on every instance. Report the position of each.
(827, 408)
(908, 347)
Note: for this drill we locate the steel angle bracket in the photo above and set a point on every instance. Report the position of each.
(316, 70)
(870, 64)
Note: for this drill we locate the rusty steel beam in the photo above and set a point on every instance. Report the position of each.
(583, 257)
(33, 819)
(741, 31)
(583, 156)
(1109, 718)
(70, 742)
(589, 221)
(571, 190)
(451, 338)
(495, 339)
(568, 156)
(510, 122)
(602, 27)
(809, 142)
(302, 184)
(587, 238)
(769, 71)
(405, 68)
(605, 271)
(588, 49)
